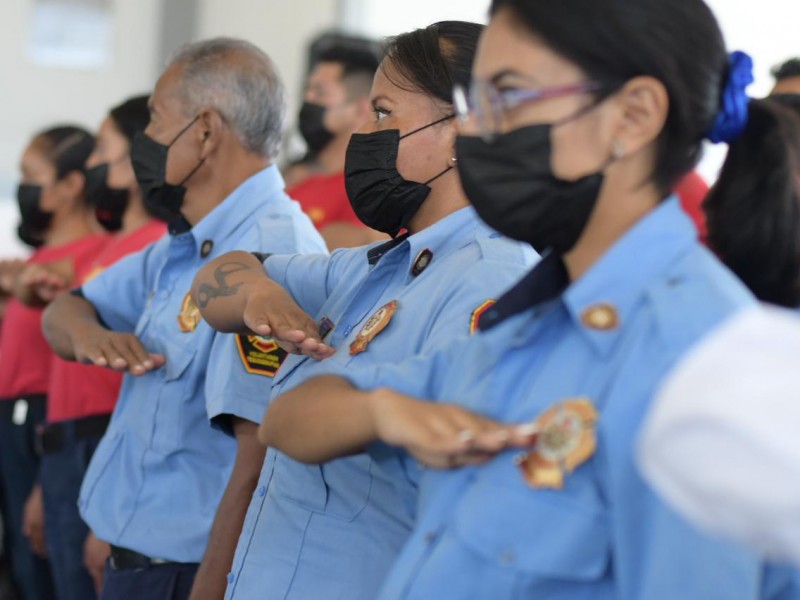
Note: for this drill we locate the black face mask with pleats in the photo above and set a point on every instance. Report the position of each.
(511, 184)
(149, 160)
(381, 198)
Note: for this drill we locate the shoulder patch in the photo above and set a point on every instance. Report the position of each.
(260, 355)
(475, 319)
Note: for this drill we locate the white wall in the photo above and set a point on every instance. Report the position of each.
(35, 97)
(283, 29)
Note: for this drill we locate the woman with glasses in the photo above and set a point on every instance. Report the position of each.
(334, 531)
(582, 116)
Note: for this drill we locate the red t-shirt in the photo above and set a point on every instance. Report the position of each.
(78, 390)
(324, 199)
(692, 190)
(25, 355)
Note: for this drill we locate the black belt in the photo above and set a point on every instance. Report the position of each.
(122, 558)
(53, 436)
(7, 404)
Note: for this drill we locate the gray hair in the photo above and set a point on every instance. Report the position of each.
(239, 81)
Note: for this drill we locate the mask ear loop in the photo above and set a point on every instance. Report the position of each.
(442, 120)
(435, 177)
(202, 160)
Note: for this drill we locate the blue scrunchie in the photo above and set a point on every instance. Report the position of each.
(732, 117)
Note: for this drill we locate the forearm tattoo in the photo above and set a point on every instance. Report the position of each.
(207, 292)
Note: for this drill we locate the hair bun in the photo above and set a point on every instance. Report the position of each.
(731, 119)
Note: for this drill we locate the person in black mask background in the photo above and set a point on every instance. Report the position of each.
(335, 104)
(159, 474)
(82, 397)
(53, 209)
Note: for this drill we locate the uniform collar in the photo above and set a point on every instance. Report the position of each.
(624, 274)
(617, 281)
(238, 207)
(454, 231)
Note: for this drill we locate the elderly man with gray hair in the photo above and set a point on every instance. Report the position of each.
(162, 471)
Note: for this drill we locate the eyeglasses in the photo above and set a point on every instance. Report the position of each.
(489, 104)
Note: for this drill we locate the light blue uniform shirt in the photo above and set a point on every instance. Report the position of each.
(157, 477)
(483, 532)
(333, 531)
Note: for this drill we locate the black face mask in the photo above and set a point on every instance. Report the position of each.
(311, 124)
(149, 159)
(511, 184)
(379, 195)
(28, 237)
(35, 221)
(109, 203)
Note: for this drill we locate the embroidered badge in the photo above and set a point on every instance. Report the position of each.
(260, 355)
(374, 325)
(475, 319)
(565, 441)
(316, 214)
(602, 317)
(189, 317)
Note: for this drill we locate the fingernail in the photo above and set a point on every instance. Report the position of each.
(528, 429)
(148, 364)
(466, 435)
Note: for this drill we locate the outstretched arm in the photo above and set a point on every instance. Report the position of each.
(73, 329)
(326, 418)
(235, 295)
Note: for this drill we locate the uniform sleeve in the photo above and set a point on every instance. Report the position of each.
(423, 376)
(720, 444)
(119, 293)
(240, 375)
(469, 297)
(310, 278)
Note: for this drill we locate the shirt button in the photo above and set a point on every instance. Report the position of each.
(430, 537)
(230, 577)
(262, 491)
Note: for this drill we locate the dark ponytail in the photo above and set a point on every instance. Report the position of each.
(434, 59)
(753, 209)
(67, 147)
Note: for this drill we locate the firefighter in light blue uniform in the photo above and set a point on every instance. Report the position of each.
(160, 462)
(336, 529)
(485, 532)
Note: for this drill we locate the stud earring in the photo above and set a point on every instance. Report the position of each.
(617, 150)
(453, 159)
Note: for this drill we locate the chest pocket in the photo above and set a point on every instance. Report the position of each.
(340, 488)
(540, 534)
(171, 412)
